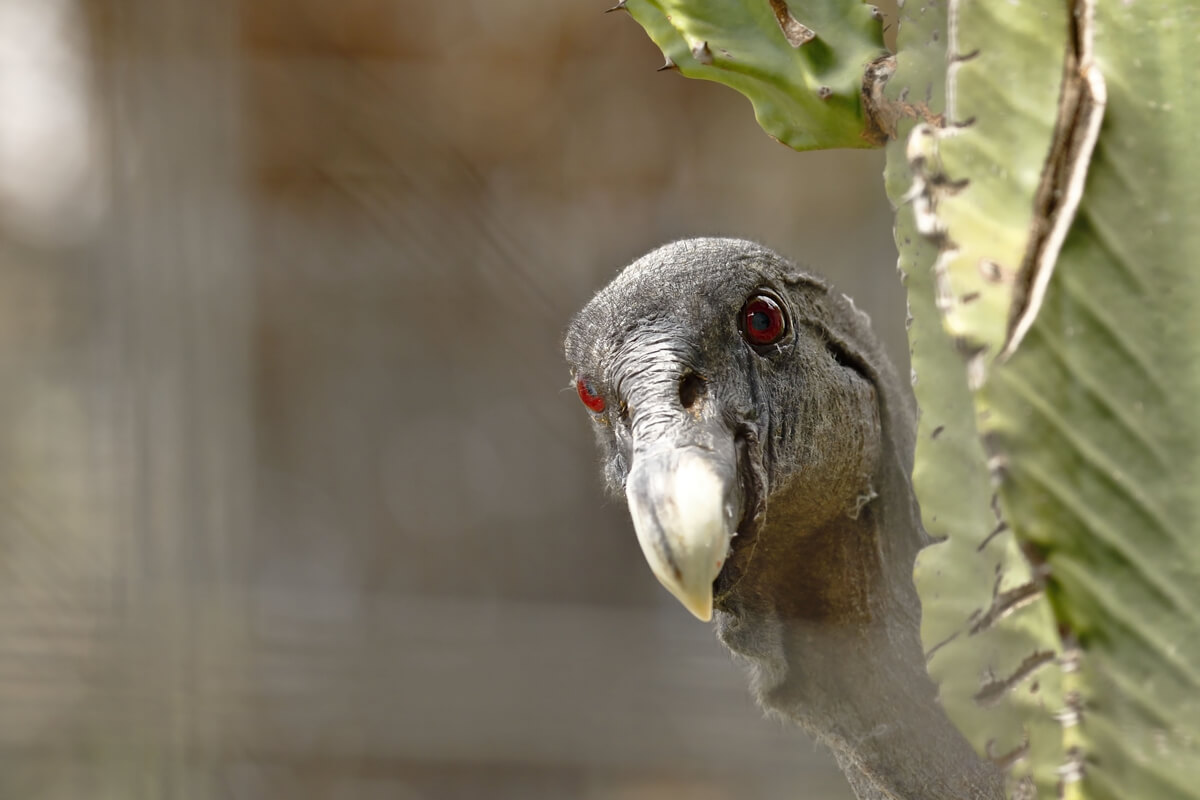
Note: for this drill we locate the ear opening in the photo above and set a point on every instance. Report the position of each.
(849, 359)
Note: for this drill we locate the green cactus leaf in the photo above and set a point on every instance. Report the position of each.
(988, 627)
(1095, 417)
(1004, 88)
(801, 64)
(1084, 391)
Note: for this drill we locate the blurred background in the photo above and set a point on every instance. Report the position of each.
(295, 501)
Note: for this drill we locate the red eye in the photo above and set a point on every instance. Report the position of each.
(589, 397)
(762, 321)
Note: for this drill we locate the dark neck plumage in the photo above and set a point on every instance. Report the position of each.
(842, 657)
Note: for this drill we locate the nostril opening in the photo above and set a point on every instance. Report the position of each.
(691, 389)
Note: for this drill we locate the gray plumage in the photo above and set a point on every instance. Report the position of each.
(812, 438)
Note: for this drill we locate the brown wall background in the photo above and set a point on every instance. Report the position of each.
(294, 502)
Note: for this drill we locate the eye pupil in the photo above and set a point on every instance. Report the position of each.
(589, 396)
(763, 322)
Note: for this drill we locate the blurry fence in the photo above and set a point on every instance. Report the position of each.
(291, 503)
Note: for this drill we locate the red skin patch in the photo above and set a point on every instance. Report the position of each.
(590, 399)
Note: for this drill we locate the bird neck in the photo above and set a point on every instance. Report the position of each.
(896, 743)
(847, 663)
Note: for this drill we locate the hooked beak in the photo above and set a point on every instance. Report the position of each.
(686, 501)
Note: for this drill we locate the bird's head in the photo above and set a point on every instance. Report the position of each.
(764, 445)
(747, 416)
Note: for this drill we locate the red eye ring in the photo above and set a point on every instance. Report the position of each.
(762, 321)
(588, 395)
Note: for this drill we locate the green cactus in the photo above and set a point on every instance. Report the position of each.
(1042, 158)
(803, 75)
(980, 566)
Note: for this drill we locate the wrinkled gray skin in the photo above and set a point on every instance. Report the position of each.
(816, 596)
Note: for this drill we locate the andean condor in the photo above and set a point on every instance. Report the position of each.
(764, 445)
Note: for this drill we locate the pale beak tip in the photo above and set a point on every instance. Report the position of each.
(702, 611)
(699, 603)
